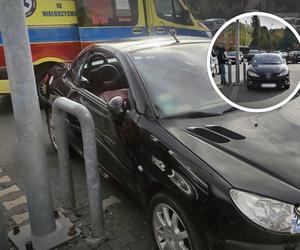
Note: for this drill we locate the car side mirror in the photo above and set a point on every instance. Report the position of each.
(116, 108)
(84, 83)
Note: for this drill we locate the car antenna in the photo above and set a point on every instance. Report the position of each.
(172, 32)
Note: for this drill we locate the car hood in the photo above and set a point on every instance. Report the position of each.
(261, 156)
(269, 68)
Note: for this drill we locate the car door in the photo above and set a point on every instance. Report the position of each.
(69, 77)
(166, 14)
(115, 152)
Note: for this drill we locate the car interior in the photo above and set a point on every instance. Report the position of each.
(105, 76)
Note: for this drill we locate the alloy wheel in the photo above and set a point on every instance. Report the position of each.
(169, 230)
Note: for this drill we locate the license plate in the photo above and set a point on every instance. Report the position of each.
(268, 85)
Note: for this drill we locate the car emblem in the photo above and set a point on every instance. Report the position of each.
(268, 75)
(158, 163)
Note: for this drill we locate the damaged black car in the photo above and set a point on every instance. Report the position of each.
(210, 176)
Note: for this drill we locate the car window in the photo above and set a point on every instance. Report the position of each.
(107, 12)
(75, 72)
(173, 11)
(103, 76)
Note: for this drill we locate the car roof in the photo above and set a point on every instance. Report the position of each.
(130, 45)
(268, 54)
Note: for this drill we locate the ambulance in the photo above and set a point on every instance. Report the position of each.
(59, 29)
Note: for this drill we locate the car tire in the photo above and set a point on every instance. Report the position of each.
(50, 126)
(286, 86)
(39, 77)
(164, 233)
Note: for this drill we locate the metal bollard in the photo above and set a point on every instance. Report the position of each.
(60, 107)
(3, 233)
(229, 74)
(244, 73)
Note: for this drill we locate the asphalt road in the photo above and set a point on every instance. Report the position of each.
(258, 98)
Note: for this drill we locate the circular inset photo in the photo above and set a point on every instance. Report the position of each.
(254, 62)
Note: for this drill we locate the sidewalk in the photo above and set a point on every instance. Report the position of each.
(125, 221)
(217, 78)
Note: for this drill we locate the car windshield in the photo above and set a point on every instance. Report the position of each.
(253, 52)
(177, 81)
(267, 59)
(219, 22)
(208, 24)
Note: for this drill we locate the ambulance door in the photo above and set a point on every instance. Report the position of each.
(166, 14)
(104, 20)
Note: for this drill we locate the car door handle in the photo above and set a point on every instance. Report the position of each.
(137, 30)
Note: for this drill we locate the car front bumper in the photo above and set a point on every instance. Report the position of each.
(263, 82)
(236, 245)
(283, 243)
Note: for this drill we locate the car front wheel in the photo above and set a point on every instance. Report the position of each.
(173, 226)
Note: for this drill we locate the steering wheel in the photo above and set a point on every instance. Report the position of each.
(109, 72)
(92, 58)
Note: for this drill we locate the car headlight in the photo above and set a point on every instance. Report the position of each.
(251, 73)
(268, 213)
(283, 73)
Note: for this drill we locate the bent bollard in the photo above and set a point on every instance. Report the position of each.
(60, 107)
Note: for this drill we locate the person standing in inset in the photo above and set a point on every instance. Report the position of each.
(222, 60)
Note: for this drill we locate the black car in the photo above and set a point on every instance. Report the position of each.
(296, 57)
(268, 71)
(210, 177)
(232, 56)
(251, 54)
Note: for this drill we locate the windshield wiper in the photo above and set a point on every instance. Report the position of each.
(231, 109)
(193, 114)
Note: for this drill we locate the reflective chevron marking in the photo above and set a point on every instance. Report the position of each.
(11, 204)
(9, 190)
(5, 179)
(20, 218)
